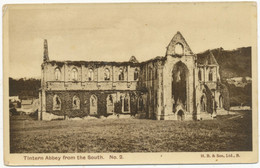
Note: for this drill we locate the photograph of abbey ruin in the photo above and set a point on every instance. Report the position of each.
(130, 78)
(178, 86)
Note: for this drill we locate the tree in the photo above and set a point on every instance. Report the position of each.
(24, 87)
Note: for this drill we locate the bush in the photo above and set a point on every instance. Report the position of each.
(13, 111)
(34, 114)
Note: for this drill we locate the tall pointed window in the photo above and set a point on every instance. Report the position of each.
(56, 103)
(199, 75)
(203, 103)
(136, 74)
(57, 74)
(107, 74)
(110, 104)
(121, 74)
(75, 103)
(90, 75)
(74, 74)
(210, 75)
(126, 101)
(140, 104)
(93, 105)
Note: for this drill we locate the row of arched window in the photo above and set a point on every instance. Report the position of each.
(203, 102)
(75, 102)
(210, 75)
(107, 76)
(93, 102)
(125, 100)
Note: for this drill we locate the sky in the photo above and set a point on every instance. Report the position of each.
(115, 32)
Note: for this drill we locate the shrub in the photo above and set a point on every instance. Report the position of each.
(13, 111)
(34, 114)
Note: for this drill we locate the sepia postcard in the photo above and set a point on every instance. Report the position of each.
(130, 83)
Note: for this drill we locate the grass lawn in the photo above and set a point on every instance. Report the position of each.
(225, 133)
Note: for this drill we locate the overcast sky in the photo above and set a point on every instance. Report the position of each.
(115, 32)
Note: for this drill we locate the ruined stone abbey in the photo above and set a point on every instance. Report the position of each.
(178, 86)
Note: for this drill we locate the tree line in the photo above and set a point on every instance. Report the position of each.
(240, 95)
(24, 87)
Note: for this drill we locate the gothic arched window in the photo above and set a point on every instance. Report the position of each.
(199, 75)
(93, 100)
(57, 73)
(140, 104)
(74, 74)
(93, 105)
(210, 75)
(75, 103)
(136, 74)
(121, 74)
(107, 74)
(203, 103)
(126, 103)
(56, 103)
(90, 75)
(110, 104)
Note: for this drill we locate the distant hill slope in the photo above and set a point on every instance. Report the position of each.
(233, 63)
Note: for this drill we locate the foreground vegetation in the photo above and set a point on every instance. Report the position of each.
(225, 133)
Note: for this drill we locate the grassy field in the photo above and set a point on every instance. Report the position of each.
(225, 133)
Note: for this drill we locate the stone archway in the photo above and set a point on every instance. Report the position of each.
(180, 84)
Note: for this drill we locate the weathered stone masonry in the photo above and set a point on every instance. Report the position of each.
(180, 85)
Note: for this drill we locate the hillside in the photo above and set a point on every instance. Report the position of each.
(233, 63)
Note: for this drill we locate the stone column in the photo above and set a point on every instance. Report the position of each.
(216, 73)
(123, 103)
(40, 106)
(112, 74)
(98, 84)
(43, 103)
(167, 90)
(190, 89)
(82, 73)
(64, 72)
(159, 93)
(213, 106)
(42, 95)
(128, 68)
(205, 73)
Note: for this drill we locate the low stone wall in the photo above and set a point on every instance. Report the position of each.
(49, 116)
